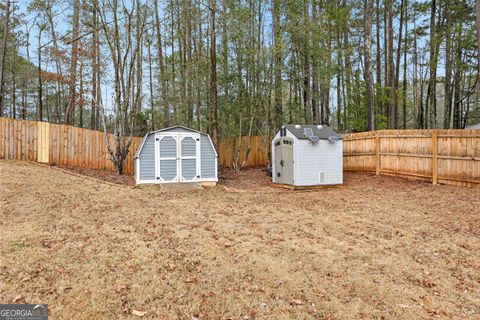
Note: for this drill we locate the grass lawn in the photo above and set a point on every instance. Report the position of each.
(375, 247)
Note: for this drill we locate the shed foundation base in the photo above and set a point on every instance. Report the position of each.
(208, 183)
(292, 187)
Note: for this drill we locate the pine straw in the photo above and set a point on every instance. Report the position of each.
(374, 247)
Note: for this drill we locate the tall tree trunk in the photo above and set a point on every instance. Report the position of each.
(431, 103)
(447, 113)
(404, 84)
(457, 105)
(348, 69)
(3, 53)
(173, 95)
(416, 100)
(213, 75)
(58, 64)
(14, 78)
(325, 86)
(315, 57)
(385, 57)
(306, 62)
(277, 57)
(391, 80)
(340, 71)
(150, 82)
(24, 99)
(39, 112)
(161, 64)
(399, 55)
(95, 67)
(80, 105)
(368, 64)
(69, 114)
(477, 24)
(378, 57)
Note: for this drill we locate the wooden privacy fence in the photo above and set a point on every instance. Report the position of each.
(58, 144)
(73, 146)
(233, 149)
(440, 156)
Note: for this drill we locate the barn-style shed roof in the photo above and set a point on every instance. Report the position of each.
(177, 127)
(321, 131)
(168, 129)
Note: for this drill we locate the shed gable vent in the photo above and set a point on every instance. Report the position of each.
(321, 177)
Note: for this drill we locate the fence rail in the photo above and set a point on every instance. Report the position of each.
(440, 156)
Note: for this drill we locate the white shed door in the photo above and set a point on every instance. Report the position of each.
(168, 159)
(189, 157)
(178, 157)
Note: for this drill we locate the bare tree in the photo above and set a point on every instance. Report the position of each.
(124, 41)
(70, 111)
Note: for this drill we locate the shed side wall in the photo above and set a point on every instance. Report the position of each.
(312, 159)
(147, 159)
(207, 158)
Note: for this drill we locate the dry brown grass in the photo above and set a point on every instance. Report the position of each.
(376, 247)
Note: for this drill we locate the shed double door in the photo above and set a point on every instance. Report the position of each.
(178, 158)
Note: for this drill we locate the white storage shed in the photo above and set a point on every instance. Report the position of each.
(307, 155)
(176, 154)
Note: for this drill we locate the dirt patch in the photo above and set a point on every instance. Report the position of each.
(109, 176)
(375, 247)
(249, 180)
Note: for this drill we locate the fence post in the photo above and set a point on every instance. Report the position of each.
(434, 157)
(377, 154)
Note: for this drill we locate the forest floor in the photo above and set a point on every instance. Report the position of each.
(375, 247)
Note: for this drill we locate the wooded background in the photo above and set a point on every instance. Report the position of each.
(440, 156)
(240, 67)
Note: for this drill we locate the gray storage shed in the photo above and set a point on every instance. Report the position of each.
(176, 154)
(307, 155)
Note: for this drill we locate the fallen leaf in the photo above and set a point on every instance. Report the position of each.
(17, 297)
(296, 302)
(139, 313)
(191, 280)
(119, 287)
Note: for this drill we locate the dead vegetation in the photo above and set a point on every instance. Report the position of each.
(376, 247)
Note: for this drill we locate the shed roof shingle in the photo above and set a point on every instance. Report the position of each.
(321, 131)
